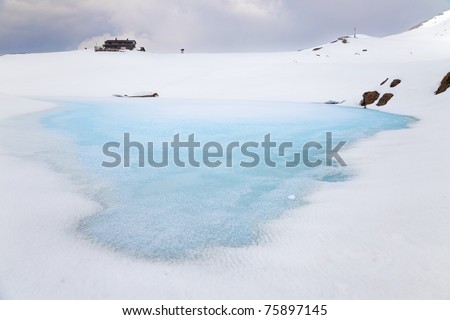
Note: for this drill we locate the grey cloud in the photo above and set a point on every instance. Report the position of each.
(203, 25)
(39, 26)
(322, 20)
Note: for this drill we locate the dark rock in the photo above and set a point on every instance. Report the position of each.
(385, 99)
(370, 97)
(334, 102)
(317, 49)
(344, 39)
(395, 83)
(152, 95)
(384, 81)
(445, 84)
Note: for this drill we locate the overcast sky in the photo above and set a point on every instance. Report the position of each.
(202, 25)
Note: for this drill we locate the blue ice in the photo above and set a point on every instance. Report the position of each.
(173, 213)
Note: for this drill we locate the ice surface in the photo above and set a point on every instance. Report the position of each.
(173, 213)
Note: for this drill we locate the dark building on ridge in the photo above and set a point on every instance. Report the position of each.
(116, 45)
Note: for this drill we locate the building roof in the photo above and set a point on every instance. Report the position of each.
(115, 41)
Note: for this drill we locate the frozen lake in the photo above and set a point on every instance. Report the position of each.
(173, 212)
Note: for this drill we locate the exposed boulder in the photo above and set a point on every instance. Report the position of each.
(334, 102)
(317, 49)
(370, 97)
(343, 39)
(385, 99)
(384, 81)
(395, 83)
(445, 84)
(149, 95)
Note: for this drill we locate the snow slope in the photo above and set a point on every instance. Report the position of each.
(383, 234)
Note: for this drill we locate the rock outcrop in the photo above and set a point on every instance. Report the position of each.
(445, 84)
(395, 83)
(385, 99)
(384, 81)
(370, 97)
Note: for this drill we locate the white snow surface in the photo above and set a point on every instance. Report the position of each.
(384, 234)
